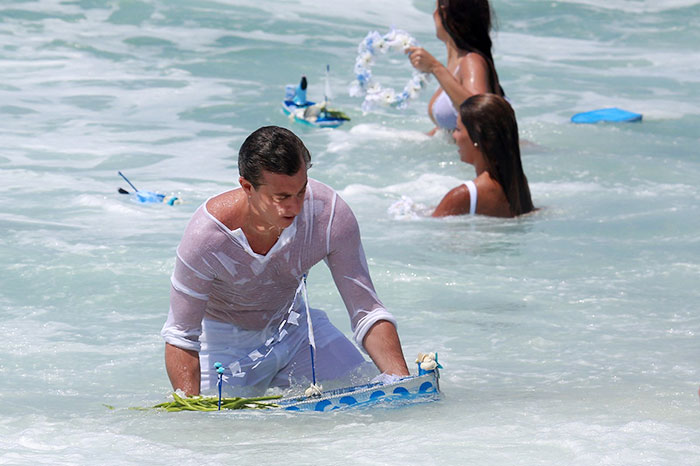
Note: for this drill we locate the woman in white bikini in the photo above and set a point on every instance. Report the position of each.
(487, 137)
(464, 26)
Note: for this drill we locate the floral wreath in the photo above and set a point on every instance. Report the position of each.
(364, 85)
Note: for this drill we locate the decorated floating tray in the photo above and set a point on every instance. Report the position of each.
(423, 387)
(419, 388)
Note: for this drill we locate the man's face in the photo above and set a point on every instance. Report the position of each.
(279, 198)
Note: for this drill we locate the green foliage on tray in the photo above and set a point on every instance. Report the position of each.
(200, 403)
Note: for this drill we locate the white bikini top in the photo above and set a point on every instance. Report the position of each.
(444, 112)
(472, 196)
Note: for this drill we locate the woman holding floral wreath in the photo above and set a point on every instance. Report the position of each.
(464, 26)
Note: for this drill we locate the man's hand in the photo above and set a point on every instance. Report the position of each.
(183, 369)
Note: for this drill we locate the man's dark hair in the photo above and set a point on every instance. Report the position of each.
(273, 149)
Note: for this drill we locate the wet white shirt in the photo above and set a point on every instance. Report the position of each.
(218, 276)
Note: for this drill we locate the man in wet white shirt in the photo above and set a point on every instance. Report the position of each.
(235, 291)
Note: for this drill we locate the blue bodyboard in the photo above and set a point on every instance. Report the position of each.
(612, 114)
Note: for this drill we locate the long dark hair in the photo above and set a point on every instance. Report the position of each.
(491, 123)
(468, 22)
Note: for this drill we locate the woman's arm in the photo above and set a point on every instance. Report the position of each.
(473, 76)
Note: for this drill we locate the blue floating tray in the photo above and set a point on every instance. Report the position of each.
(612, 114)
(296, 112)
(423, 387)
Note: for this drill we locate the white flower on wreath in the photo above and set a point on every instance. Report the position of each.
(406, 41)
(394, 41)
(373, 88)
(416, 83)
(355, 89)
(368, 42)
(362, 73)
(399, 40)
(411, 92)
(387, 97)
(365, 59)
(402, 100)
(381, 45)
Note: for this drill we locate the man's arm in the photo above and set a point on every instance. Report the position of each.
(373, 326)
(183, 369)
(383, 345)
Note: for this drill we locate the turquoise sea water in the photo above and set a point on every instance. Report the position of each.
(570, 336)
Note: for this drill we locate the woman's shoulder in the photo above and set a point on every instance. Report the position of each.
(472, 62)
(475, 73)
(455, 202)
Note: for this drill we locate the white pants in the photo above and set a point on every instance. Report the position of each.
(286, 362)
